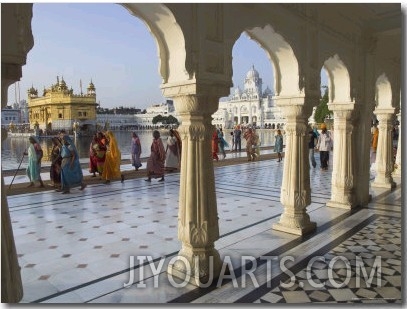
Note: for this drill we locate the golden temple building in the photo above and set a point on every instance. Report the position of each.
(59, 108)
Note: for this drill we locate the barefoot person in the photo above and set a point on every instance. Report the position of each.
(35, 154)
(156, 161)
(71, 171)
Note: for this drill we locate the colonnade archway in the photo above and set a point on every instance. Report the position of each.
(195, 52)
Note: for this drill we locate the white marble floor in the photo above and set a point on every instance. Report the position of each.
(77, 248)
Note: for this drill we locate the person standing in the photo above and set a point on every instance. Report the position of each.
(375, 138)
(250, 147)
(56, 160)
(155, 163)
(311, 147)
(215, 145)
(111, 168)
(71, 171)
(135, 151)
(278, 145)
(232, 141)
(35, 155)
(324, 146)
(93, 159)
(238, 139)
(222, 143)
(172, 151)
(256, 143)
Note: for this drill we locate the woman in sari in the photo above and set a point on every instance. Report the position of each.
(250, 144)
(56, 161)
(278, 145)
(173, 153)
(375, 138)
(93, 159)
(155, 163)
(222, 143)
(35, 154)
(71, 171)
(111, 168)
(135, 151)
(215, 145)
(100, 150)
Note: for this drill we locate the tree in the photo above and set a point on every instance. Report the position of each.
(157, 119)
(322, 109)
(172, 120)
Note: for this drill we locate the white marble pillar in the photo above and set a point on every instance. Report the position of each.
(198, 216)
(295, 189)
(397, 169)
(384, 154)
(342, 195)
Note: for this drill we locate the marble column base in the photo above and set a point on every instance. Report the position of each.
(303, 230)
(336, 204)
(384, 184)
(207, 271)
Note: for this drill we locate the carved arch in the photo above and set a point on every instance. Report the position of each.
(338, 80)
(168, 36)
(282, 57)
(383, 95)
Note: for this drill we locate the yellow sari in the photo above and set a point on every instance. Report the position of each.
(111, 169)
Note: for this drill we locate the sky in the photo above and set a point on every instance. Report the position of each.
(105, 44)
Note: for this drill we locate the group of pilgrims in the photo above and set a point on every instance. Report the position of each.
(65, 171)
(104, 159)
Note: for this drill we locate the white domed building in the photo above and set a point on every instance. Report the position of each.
(250, 106)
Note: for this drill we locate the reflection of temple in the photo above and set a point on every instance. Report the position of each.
(251, 105)
(59, 108)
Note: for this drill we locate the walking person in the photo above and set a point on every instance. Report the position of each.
(35, 155)
(56, 161)
(155, 163)
(232, 141)
(238, 139)
(311, 147)
(250, 147)
(278, 145)
(93, 159)
(172, 160)
(256, 143)
(324, 146)
(215, 145)
(71, 171)
(111, 168)
(135, 151)
(222, 143)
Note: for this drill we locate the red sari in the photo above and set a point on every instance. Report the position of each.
(215, 147)
(156, 161)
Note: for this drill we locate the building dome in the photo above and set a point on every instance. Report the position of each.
(91, 86)
(31, 90)
(267, 92)
(252, 73)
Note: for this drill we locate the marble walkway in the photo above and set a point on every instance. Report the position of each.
(112, 244)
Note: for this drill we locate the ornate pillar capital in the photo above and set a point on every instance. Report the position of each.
(342, 109)
(293, 107)
(384, 112)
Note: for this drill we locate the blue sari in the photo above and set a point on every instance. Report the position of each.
(71, 171)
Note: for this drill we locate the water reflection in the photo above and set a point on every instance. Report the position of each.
(12, 148)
